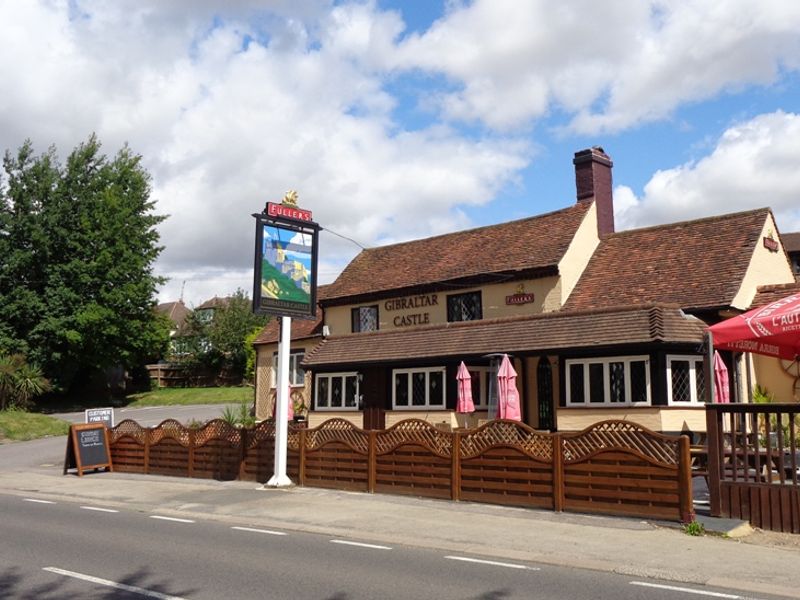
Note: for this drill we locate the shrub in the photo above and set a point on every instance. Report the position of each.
(20, 382)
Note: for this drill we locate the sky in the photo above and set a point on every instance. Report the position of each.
(397, 120)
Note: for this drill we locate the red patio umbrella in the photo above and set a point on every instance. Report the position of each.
(465, 403)
(507, 397)
(289, 406)
(773, 330)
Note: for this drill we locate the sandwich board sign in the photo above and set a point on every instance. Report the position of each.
(87, 448)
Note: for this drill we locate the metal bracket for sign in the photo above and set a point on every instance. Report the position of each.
(280, 224)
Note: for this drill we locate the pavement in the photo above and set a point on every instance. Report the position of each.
(755, 562)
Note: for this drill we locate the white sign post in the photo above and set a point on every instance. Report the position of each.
(279, 477)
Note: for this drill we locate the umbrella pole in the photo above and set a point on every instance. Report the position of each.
(711, 391)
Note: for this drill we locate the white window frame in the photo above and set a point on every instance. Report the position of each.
(343, 376)
(411, 373)
(695, 362)
(606, 361)
(484, 373)
(297, 375)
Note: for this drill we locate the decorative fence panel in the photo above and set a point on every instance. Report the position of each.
(617, 467)
(507, 463)
(415, 458)
(614, 467)
(335, 455)
(754, 464)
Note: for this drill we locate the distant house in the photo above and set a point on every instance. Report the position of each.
(178, 313)
(205, 312)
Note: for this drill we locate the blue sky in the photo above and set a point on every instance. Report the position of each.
(397, 120)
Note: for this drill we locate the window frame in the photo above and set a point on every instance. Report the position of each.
(452, 297)
(484, 373)
(343, 375)
(297, 375)
(421, 407)
(606, 362)
(693, 360)
(355, 318)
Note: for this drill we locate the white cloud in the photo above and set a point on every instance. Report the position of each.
(610, 65)
(754, 164)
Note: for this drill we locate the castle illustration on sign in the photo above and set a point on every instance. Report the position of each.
(286, 265)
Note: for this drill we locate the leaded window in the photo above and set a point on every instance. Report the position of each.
(614, 381)
(337, 391)
(686, 381)
(464, 307)
(419, 388)
(365, 318)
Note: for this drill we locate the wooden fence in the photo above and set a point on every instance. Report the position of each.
(614, 467)
(754, 464)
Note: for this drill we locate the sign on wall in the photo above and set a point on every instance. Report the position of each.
(285, 273)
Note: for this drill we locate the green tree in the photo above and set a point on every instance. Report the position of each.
(220, 342)
(20, 382)
(77, 245)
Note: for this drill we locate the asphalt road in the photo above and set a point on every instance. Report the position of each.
(153, 415)
(61, 550)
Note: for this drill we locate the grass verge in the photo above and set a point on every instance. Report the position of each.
(19, 425)
(174, 396)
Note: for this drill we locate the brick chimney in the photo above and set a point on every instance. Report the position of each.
(593, 182)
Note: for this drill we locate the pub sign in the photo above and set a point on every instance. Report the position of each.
(285, 270)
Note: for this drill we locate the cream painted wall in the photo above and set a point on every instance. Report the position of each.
(656, 418)
(577, 256)
(765, 268)
(546, 291)
(770, 375)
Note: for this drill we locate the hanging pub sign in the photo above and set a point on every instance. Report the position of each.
(285, 270)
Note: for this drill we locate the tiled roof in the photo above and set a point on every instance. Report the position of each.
(771, 293)
(215, 302)
(791, 241)
(175, 311)
(528, 244)
(301, 328)
(694, 264)
(543, 332)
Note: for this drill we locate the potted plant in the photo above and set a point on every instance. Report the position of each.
(300, 411)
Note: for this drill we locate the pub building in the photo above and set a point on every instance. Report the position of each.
(599, 324)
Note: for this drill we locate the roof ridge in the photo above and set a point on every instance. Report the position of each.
(765, 210)
(581, 205)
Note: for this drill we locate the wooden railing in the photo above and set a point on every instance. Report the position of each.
(754, 463)
(614, 467)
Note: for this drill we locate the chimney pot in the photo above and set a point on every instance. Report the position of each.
(593, 183)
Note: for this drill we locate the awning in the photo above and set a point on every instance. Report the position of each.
(773, 330)
(515, 335)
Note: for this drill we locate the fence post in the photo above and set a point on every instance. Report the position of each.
(243, 454)
(147, 451)
(685, 480)
(191, 451)
(301, 469)
(372, 461)
(714, 449)
(455, 471)
(558, 473)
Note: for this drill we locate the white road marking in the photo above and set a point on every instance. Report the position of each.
(493, 563)
(98, 509)
(360, 545)
(176, 519)
(38, 501)
(112, 584)
(267, 531)
(689, 590)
